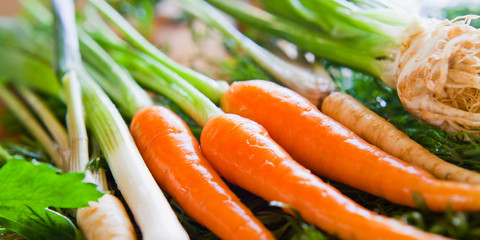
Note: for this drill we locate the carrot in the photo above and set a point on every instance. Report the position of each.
(254, 159)
(243, 153)
(175, 160)
(376, 130)
(331, 150)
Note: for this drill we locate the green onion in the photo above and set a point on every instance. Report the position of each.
(316, 42)
(31, 123)
(153, 75)
(48, 119)
(151, 210)
(211, 88)
(312, 85)
(117, 82)
(68, 63)
(145, 199)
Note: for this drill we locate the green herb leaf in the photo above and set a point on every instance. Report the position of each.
(29, 188)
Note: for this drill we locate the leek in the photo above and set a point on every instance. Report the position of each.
(433, 64)
(151, 210)
(68, 62)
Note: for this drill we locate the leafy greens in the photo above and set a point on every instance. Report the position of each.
(30, 191)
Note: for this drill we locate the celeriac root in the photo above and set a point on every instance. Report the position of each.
(438, 74)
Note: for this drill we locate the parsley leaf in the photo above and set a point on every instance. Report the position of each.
(28, 189)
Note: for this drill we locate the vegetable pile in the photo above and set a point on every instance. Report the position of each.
(433, 64)
(117, 140)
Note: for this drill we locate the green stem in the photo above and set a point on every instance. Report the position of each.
(312, 85)
(4, 156)
(68, 63)
(77, 130)
(30, 122)
(211, 88)
(161, 79)
(117, 82)
(361, 57)
(48, 119)
(28, 70)
(151, 209)
(141, 192)
(37, 11)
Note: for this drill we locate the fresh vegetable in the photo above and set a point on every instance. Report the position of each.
(107, 218)
(376, 130)
(432, 63)
(331, 150)
(68, 60)
(461, 149)
(148, 204)
(210, 87)
(247, 144)
(243, 153)
(457, 225)
(428, 161)
(145, 199)
(175, 162)
(312, 85)
(174, 157)
(53, 126)
(32, 125)
(29, 192)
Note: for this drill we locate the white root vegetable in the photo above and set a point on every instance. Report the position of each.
(103, 220)
(437, 73)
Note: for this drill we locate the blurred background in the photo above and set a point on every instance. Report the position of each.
(9, 7)
(428, 7)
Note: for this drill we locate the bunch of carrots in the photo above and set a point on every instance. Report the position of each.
(268, 140)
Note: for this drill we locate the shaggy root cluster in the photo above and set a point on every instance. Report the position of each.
(438, 74)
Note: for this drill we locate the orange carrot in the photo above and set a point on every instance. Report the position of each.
(174, 158)
(331, 150)
(243, 153)
(346, 110)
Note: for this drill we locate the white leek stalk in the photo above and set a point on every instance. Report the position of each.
(149, 206)
(105, 219)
